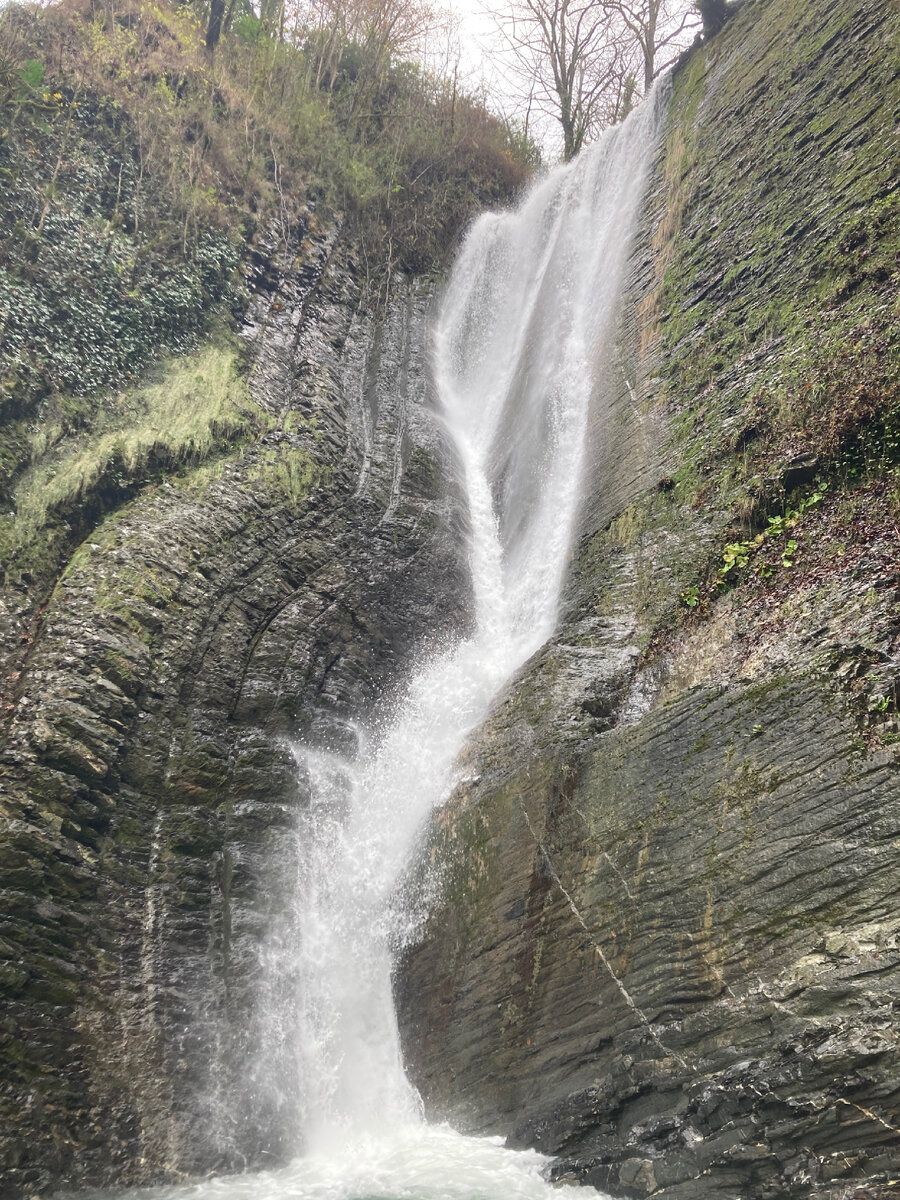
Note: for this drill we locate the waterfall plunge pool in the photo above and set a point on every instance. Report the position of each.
(417, 1162)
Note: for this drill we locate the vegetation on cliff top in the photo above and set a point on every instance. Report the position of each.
(134, 165)
(142, 178)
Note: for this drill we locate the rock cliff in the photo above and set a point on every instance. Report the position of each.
(666, 948)
(275, 590)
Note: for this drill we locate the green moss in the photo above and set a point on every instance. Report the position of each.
(625, 530)
(730, 295)
(744, 785)
(295, 422)
(191, 405)
(647, 555)
(288, 473)
(779, 248)
(424, 471)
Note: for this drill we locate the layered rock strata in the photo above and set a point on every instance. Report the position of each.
(274, 592)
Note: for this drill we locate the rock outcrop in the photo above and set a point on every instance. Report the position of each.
(273, 592)
(666, 948)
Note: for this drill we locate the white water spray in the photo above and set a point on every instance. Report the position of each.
(525, 326)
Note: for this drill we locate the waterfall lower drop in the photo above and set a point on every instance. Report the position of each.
(525, 326)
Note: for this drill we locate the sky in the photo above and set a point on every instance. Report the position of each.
(481, 66)
(476, 31)
(476, 28)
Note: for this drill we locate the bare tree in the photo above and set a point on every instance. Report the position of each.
(569, 55)
(381, 30)
(585, 62)
(656, 26)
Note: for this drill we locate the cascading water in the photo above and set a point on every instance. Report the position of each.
(524, 328)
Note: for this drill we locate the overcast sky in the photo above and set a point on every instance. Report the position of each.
(481, 63)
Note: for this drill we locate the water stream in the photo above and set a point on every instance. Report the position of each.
(524, 328)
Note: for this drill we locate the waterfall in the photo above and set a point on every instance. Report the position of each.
(524, 328)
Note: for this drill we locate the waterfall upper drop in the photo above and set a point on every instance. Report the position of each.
(524, 331)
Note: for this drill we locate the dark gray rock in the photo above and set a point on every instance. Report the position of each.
(148, 784)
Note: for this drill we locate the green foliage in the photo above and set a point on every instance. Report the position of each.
(84, 310)
(32, 73)
(247, 28)
(95, 276)
(736, 556)
(787, 553)
(335, 111)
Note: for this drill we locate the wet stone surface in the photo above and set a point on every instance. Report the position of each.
(666, 947)
(148, 783)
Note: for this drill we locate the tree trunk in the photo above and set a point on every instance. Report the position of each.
(650, 47)
(214, 28)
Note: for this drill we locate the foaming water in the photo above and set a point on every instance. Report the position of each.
(524, 329)
(430, 1162)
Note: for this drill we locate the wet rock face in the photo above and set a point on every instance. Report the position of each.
(667, 947)
(672, 960)
(148, 781)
